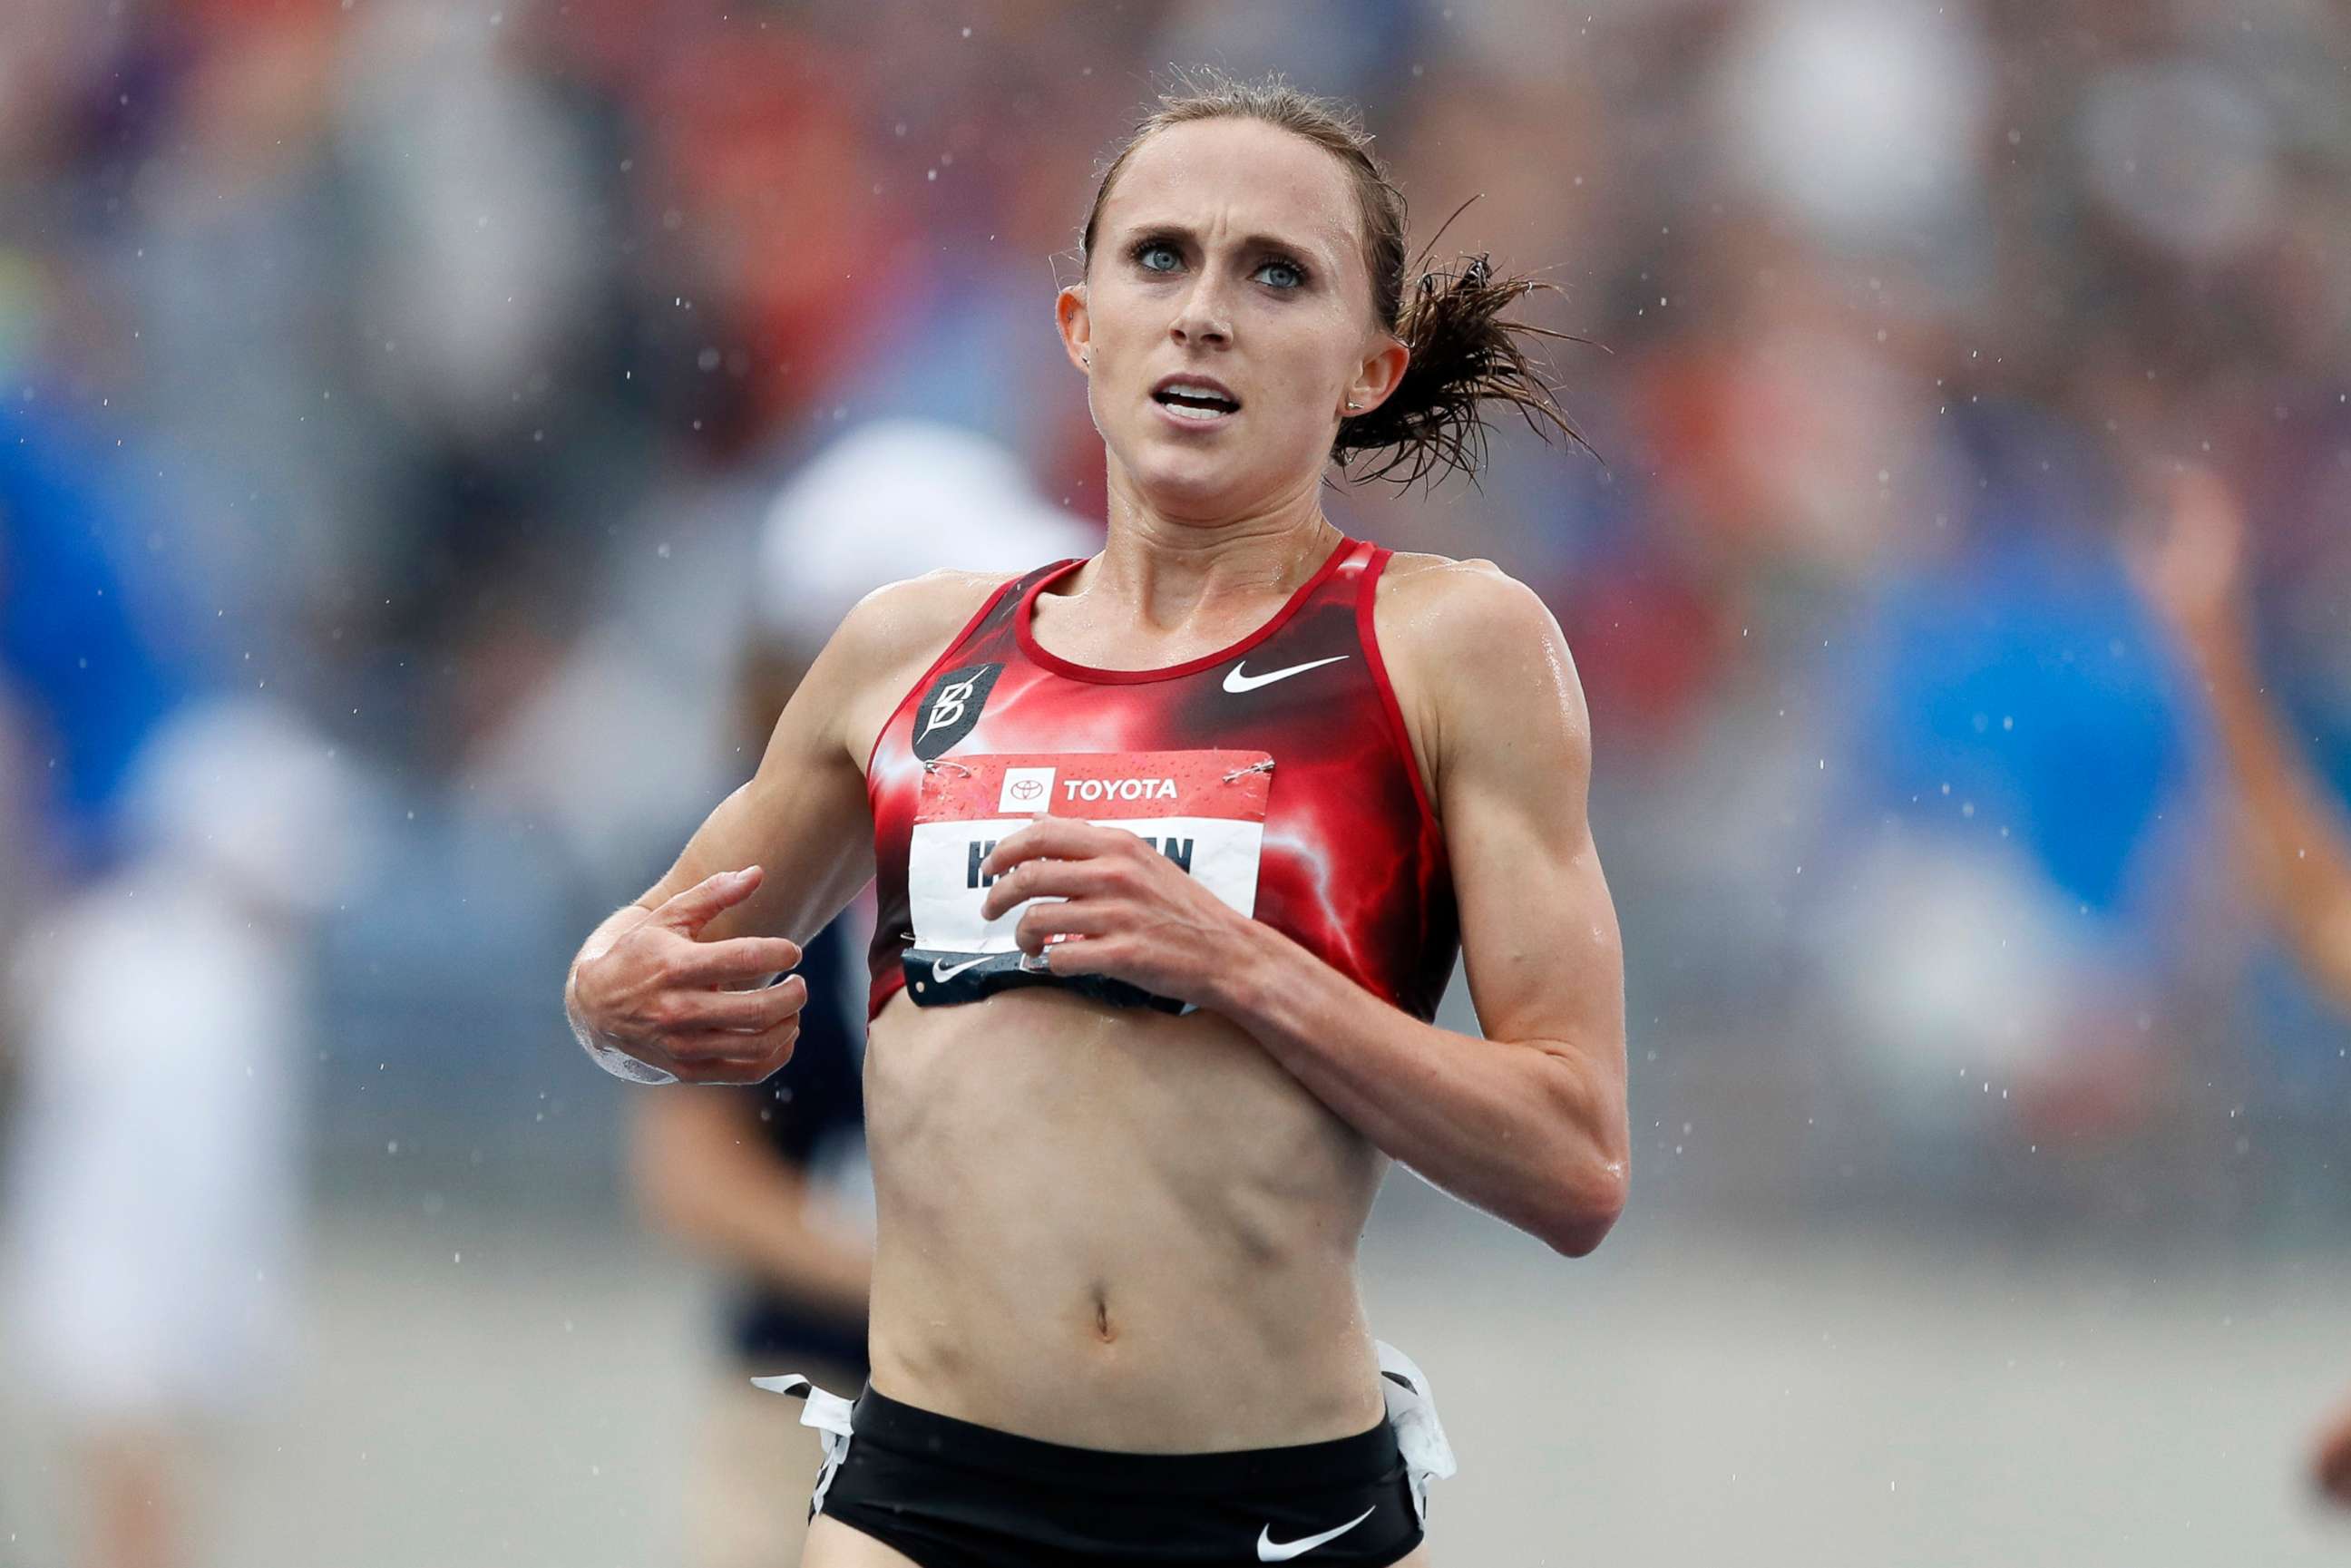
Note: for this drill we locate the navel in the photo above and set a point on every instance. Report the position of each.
(1102, 1329)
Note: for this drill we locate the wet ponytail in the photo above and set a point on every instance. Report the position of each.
(1465, 356)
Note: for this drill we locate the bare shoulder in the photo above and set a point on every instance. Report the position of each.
(899, 619)
(1436, 611)
(888, 638)
(1470, 651)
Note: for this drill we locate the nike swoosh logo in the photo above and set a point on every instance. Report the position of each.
(1269, 1549)
(1235, 681)
(942, 970)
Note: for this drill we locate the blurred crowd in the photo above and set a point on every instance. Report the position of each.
(420, 418)
(417, 377)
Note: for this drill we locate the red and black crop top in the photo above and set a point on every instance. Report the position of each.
(1276, 770)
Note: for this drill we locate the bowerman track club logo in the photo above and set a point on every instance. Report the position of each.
(951, 708)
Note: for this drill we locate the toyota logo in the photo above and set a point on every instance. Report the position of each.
(1026, 789)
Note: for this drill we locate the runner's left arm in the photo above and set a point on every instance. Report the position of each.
(1529, 1122)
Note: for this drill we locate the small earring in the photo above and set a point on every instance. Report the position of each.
(1087, 360)
(1354, 407)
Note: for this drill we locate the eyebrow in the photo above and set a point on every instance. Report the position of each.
(1248, 242)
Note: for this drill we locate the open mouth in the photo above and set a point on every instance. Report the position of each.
(1189, 397)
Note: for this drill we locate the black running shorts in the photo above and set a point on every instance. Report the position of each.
(953, 1494)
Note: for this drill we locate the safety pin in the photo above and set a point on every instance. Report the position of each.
(1266, 766)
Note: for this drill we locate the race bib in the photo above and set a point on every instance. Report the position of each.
(1204, 810)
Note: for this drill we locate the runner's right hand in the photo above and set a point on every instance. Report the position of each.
(659, 1005)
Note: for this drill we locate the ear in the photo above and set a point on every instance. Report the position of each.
(1076, 325)
(1377, 378)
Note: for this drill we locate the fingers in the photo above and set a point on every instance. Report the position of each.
(746, 1058)
(727, 1056)
(1063, 917)
(1061, 859)
(755, 1068)
(688, 911)
(701, 1067)
(737, 958)
(1064, 838)
(740, 1011)
(1044, 879)
(1090, 955)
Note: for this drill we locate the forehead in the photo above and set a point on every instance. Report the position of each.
(1238, 174)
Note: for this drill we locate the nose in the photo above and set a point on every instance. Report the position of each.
(1201, 319)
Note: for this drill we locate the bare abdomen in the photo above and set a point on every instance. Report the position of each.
(1114, 1228)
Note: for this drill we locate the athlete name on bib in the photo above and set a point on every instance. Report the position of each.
(1204, 810)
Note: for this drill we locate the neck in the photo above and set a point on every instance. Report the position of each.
(1165, 570)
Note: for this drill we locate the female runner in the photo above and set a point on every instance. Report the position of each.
(1176, 847)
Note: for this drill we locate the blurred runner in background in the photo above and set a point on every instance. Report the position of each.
(2294, 840)
(155, 1179)
(771, 1181)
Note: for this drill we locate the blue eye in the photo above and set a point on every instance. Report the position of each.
(1146, 253)
(1282, 274)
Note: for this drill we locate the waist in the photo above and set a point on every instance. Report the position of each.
(1143, 1360)
(939, 1439)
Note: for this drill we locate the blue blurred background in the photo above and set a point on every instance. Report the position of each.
(430, 367)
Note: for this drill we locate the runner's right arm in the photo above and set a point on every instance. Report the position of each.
(674, 987)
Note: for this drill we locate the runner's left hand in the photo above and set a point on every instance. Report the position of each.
(1114, 905)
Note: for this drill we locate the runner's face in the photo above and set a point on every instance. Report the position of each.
(1229, 254)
